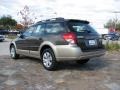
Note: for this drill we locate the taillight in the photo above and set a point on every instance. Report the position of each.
(70, 37)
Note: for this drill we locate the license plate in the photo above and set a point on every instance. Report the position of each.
(92, 42)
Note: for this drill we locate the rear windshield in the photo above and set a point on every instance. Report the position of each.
(80, 27)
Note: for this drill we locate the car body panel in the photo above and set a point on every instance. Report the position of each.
(73, 52)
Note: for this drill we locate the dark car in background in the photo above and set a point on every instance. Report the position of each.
(4, 32)
(112, 36)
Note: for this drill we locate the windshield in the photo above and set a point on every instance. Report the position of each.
(81, 27)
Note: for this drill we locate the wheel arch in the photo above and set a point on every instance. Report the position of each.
(47, 45)
(12, 44)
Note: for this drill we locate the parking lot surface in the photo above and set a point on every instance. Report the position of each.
(101, 73)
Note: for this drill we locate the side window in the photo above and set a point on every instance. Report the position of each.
(39, 30)
(28, 31)
(54, 28)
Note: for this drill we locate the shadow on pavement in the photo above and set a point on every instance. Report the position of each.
(92, 65)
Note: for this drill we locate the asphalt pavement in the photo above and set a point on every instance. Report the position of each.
(4, 47)
(100, 73)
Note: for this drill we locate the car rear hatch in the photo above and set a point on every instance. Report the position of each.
(87, 38)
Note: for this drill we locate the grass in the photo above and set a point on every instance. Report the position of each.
(112, 46)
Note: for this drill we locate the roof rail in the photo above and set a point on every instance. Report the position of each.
(51, 19)
(58, 18)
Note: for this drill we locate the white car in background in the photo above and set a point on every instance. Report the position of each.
(2, 38)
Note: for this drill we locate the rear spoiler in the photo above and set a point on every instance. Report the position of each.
(75, 20)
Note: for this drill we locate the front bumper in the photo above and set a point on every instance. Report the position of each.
(67, 52)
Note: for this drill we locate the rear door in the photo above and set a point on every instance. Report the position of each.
(36, 39)
(87, 38)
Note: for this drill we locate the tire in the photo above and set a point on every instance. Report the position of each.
(82, 61)
(13, 53)
(48, 59)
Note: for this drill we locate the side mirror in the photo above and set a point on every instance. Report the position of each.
(21, 36)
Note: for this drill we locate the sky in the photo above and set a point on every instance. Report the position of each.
(98, 12)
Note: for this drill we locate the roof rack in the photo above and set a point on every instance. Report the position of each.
(59, 18)
(62, 19)
(51, 19)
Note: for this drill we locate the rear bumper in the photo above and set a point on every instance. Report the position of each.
(92, 54)
(67, 52)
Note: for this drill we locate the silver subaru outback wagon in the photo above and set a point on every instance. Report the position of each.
(58, 39)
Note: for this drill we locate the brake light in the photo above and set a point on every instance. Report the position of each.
(70, 37)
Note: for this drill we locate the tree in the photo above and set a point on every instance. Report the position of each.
(6, 22)
(113, 23)
(26, 16)
(19, 27)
